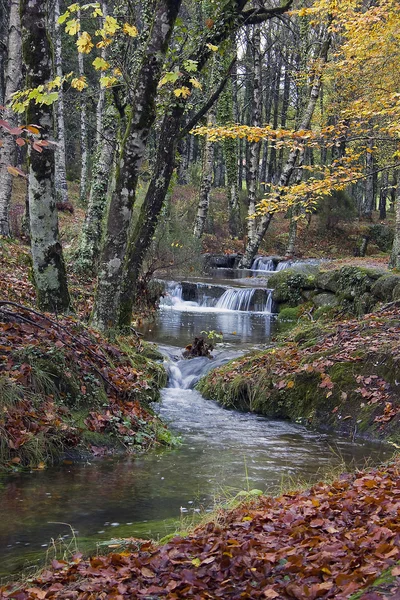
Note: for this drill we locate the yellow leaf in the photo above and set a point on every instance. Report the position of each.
(111, 25)
(212, 47)
(183, 91)
(84, 43)
(196, 562)
(130, 30)
(100, 64)
(290, 384)
(196, 83)
(72, 27)
(73, 7)
(79, 83)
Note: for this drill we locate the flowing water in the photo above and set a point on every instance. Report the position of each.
(222, 451)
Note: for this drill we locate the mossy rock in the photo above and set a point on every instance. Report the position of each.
(328, 280)
(384, 286)
(288, 285)
(289, 314)
(353, 282)
(396, 292)
(382, 236)
(325, 300)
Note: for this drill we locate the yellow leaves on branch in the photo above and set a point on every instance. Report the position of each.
(183, 92)
(130, 30)
(84, 43)
(79, 83)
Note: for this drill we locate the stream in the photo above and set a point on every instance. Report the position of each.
(222, 452)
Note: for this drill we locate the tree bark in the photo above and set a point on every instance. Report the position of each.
(394, 262)
(254, 147)
(47, 257)
(83, 132)
(206, 182)
(8, 152)
(60, 158)
(383, 194)
(369, 197)
(131, 156)
(90, 240)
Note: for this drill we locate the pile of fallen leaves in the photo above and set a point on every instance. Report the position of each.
(326, 542)
(78, 369)
(369, 349)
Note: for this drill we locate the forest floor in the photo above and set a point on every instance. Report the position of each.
(333, 540)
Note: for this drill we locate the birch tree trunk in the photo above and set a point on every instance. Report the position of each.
(254, 147)
(253, 245)
(8, 153)
(369, 197)
(47, 258)
(206, 182)
(84, 131)
(127, 170)
(90, 240)
(101, 92)
(60, 158)
(394, 262)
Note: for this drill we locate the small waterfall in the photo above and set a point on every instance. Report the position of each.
(173, 294)
(284, 264)
(235, 299)
(269, 306)
(263, 263)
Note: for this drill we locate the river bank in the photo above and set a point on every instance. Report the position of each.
(338, 375)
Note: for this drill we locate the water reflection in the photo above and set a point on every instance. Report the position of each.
(180, 327)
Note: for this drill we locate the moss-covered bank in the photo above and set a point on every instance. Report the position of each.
(343, 376)
(66, 391)
(352, 290)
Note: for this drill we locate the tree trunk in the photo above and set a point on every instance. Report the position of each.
(394, 262)
(8, 152)
(253, 245)
(60, 158)
(294, 211)
(47, 258)
(127, 171)
(89, 244)
(369, 197)
(102, 92)
(383, 194)
(4, 20)
(145, 227)
(254, 147)
(83, 132)
(206, 181)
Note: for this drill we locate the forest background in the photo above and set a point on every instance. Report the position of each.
(154, 107)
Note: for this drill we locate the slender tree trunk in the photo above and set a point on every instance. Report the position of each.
(369, 197)
(90, 240)
(83, 132)
(394, 262)
(47, 258)
(102, 92)
(383, 193)
(294, 211)
(253, 245)
(8, 153)
(254, 147)
(206, 181)
(127, 171)
(60, 157)
(4, 20)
